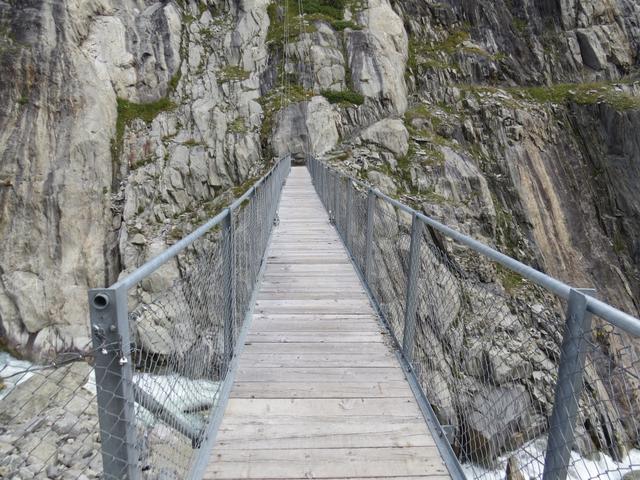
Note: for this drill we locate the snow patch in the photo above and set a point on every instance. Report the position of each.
(531, 462)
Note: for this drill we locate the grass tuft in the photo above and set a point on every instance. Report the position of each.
(233, 73)
(582, 94)
(128, 111)
(343, 97)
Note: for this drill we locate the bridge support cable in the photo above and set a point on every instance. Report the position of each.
(510, 378)
(164, 349)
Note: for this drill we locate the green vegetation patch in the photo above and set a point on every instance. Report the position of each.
(175, 80)
(274, 101)
(330, 11)
(238, 126)
(291, 21)
(233, 73)
(580, 93)
(343, 97)
(430, 54)
(330, 8)
(511, 281)
(435, 55)
(340, 25)
(128, 111)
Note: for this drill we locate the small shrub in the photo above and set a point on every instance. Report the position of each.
(233, 73)
(343, 97)
(128, 111)
(340, 25)
(238, 126)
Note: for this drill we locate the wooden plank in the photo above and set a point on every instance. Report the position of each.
(325, 463)
(304, 407)
(316, 337)
(311, 281)
(321, 375)
(317, 348)
(389, 389)
(294, 293)
(336, 306)
(318, 326)
(320, 316)
(329, 270)
(297, 360)
(323, 432)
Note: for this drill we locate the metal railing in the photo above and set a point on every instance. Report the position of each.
(509, 383)
(163, 364)
(163, 338)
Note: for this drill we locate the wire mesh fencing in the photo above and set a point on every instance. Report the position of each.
(48, 422)
(524, 379)
(140, 403)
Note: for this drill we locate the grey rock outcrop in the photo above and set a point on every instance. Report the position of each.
(126, 124)
(388, 134)
(93, 190)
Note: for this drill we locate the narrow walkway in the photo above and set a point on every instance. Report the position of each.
(318, 393)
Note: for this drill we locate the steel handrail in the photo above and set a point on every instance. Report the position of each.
(152, 265)
(616, 317)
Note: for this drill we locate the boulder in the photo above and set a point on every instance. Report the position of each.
(311, 124)
(593, 54)
(378, 55)
(493, 419)
(390, 134)
(382, 181)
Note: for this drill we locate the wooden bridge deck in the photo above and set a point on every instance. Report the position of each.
(318, 392)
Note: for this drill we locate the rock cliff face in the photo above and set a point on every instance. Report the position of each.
(125, 123)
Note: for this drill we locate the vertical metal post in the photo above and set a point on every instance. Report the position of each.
(371, 214)
(114, 382)
(347, 227)
(334, 199)
(568, 388)
(230, 277)
(412, 288)
(325, 186)
(323, 179)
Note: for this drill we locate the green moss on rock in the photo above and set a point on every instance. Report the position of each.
(343, 97)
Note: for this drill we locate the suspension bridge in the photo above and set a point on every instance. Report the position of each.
(318, 393)
(321, 329)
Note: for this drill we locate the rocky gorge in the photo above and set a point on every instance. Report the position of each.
(126, 123)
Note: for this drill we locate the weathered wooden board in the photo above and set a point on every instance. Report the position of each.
(317, 337)
(373, 389)
(324, 463)
(318, 348)
(320, 374)
(323, 432)
(313, 407)
(280, 360)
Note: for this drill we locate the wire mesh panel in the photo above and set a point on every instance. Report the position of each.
(358, 227)
(179, 359)
(486, 361)
(48, 422)
(523, 383)
(140, 402)
(388, 277)
(341, 206)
